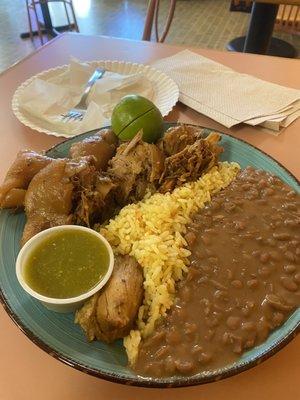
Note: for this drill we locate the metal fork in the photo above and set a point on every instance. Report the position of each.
(76, 113)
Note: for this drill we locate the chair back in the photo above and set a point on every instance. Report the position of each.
(152, 19)
(288, 19)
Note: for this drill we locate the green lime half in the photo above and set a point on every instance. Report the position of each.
(134, 113)
(151, 123)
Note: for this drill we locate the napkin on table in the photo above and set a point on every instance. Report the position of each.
(47, 99)
(229, 97)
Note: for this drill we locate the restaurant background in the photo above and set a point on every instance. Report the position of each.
(200, 23)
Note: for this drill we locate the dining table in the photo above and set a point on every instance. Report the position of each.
(26, 371)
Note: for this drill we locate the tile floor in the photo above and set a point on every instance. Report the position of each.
(203, 23)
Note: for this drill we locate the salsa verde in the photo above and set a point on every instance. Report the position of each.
(66, 264)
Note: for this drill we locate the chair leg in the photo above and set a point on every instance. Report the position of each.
(149, 20)
(169, 21)
(29, 19)
(152, 16)
(37, 22)
(73, 15)
(67, 14)
(296, 19)
(156, 13)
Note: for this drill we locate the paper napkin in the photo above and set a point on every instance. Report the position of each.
(227, 96)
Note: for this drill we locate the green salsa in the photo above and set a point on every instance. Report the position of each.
(66, 264)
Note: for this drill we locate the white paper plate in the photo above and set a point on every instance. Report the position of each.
(166, 91)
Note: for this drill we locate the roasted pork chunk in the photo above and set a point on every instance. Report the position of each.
(177, 138)
(189, 156)
(102, 146)
(110, 314)
(136, 167)
(26, 165)
(49, 198)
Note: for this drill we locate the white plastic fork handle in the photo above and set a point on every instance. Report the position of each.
(96, 75)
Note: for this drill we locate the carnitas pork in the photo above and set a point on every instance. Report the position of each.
(49, 197)
(136, 168)
(111, 313)
(101, 145)
(189, 155)
(26, 165)
(100, 178)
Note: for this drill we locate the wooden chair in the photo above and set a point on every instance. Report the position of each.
(288, 19)
(152, 18)
(32, 10)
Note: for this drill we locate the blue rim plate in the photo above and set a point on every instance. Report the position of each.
(60, 337)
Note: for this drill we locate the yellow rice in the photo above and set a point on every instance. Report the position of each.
(152, 231)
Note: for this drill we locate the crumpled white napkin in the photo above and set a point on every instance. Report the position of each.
(48, 99)
(227, 96)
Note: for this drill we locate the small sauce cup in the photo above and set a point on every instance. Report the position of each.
(64, 305)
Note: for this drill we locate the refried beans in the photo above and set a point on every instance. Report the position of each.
(243, 280)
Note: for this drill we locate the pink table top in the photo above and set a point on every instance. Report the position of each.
(26, 372)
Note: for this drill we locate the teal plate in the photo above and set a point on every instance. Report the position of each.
(60, 337)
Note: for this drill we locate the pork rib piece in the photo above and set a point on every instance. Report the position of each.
(95, 200)
(102, 146)
(177, 138)
(188, 164)
(111, 313)
(48, 201)
(26, 165)
(136, 167)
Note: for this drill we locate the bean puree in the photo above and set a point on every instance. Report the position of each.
(242, 283)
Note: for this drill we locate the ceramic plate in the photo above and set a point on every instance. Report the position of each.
(60, 337)
(166, 91)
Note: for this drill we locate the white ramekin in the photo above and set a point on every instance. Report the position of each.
(60, 305)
